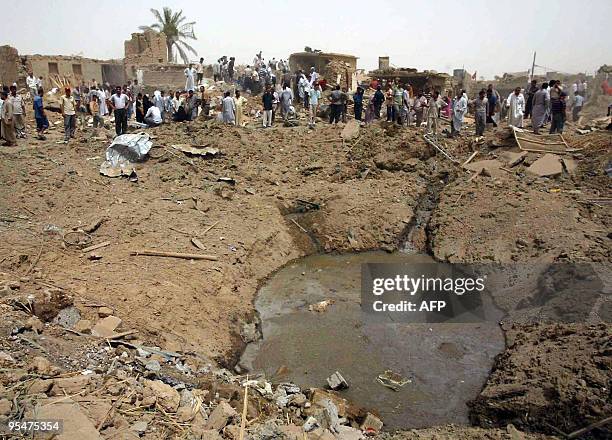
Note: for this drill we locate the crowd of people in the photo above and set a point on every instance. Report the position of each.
(281, 92)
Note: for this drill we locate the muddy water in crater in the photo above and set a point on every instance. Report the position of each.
(447, 363)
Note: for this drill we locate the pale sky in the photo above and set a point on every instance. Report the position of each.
(489, 36)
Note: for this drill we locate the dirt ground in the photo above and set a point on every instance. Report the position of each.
(293, 191)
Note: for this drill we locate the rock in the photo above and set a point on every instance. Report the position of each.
(153, 365)
(350, 130)
(220, 416)
(69, 385)
(371, 423)
(319, 397)
(103, 312)
(249, 332)
(310, 424)
(337, 382)
(139, 427)
(321, 434)
(185, 414)
(83, 326)
(521, 242)
(105, 327)
(40, 386)
(98, 412)
(514, 433)
(548, 165)
(292, 432)
(210, 434)
(76, 423)
(67, 317)
(512, 158)
(5, 407)
(34, 324)
(570, 165)
(6, 359)
(167, 397)
(298, 399)
(349, 433)
(488, 167)
(42, 366)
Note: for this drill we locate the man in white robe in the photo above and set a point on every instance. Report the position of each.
(541, 101)
(459, 110)
(190, 74)
(516, 108)
(229, 109)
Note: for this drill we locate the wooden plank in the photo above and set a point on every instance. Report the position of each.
(153, 253)
(95, 246)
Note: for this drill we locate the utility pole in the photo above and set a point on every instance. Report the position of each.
(532, 67)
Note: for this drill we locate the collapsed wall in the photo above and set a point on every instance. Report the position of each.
(335, 68)
(144, 48)
(10, 64)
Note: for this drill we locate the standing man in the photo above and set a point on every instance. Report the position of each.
(481, 105)
(314, 76)
(42, 123)
(68, 108)
(398, 102)
(358, 101)
(94, 107)
(314, 94)
(190, 74)
(494, 104)
(32, 84)
(459, 111)
(378, 99)
(7, 124)
(419, 107)
(335, 106)
(286, 100)
(191, 106)
(531, 91)
(240, 101)
(541, 101)
(578, 103)
(516, 108)
(217, 71)
(557, 109)
(200, 71)
(230, 68)
(18, 112)
(229, 109)
(434, 105)
(268, 105)
(119, 102)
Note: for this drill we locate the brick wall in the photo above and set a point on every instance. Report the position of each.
(9, 64)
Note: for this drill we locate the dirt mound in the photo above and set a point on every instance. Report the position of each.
(549, 376)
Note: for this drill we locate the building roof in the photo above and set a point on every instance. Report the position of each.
(322, 54)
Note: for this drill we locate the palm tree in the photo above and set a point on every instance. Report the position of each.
(176, 31)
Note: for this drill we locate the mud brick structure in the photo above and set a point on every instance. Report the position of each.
(10, 64)
(144, 48)
(336, 68)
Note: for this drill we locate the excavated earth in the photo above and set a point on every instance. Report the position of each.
(272, 196)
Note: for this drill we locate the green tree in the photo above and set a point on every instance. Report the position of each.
(173, 25)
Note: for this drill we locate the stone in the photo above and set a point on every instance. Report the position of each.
(49, 303)
(42, 366)
(319, 397)
(67, 317)
(34, 324)
(69, 385)
(350, 130)
(139, 427)
(220, 416)
(103, 312)
(321, 434)
(153, 365)
(337, 382)
(292, 432)
(105, 327)
(210, 434)
(489, 167)
(98, 412)
(83, 326)
(167, 397)
(514, 433)
(5, 407)
(512, 158)
(570, 165)
(6, 359)
(76, 423)
(310, 424)
(371, 423)
(349, 433)
(548, 165)
(40, 386)
(185, 414)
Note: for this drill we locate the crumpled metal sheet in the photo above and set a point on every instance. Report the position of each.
(123, 151)
(198, 150)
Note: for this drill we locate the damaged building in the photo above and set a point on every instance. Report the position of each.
(420, 81)
(335, 68)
